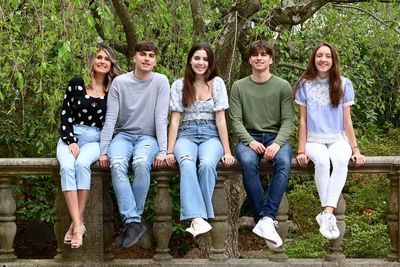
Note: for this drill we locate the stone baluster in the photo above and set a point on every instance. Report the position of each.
(335, 251)
(219, 224)
(93, 247)
(59, 210)
(108, 225)
(8, 228)
(279, 254)
(393, 218)
(162, 228)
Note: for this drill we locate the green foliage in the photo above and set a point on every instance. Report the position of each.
(303, 203)
(308, 246)
(34, 197)
(365, 237)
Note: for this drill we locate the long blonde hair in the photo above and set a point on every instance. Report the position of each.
(114, 69)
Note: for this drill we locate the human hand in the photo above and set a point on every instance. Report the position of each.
(158, 162)
(170, 160)
(257, 147)
(74, 149)
(104, 162)
(302, 159)
(228, 159)
(358, 159)
(271, 151)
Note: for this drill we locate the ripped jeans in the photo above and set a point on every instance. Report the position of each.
(142, 149)
(198, 141)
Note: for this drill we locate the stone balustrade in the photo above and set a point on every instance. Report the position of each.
(99, 207)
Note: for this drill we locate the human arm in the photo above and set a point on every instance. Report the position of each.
(286, 115)
(161, 120)
(351, 137)
(236, 117)
(67, 111)
(301, 157)
(220, 121)
(113, 106)
(172, 135)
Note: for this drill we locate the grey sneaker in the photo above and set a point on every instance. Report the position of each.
(327, 225)
(133, 233)
(120, 239)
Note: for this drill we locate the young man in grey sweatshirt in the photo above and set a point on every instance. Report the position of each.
(137, 113)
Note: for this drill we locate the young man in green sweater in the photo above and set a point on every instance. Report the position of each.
(261, 113)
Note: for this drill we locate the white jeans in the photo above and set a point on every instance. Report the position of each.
(329, 185)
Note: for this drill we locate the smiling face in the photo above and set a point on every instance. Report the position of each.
(144, 61)
(323, 61)
(260, 61)
(101, 62)
(199, 62)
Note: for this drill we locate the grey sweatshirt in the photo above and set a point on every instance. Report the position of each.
(137, 107)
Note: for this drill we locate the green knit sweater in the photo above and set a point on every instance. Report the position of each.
(265, 107)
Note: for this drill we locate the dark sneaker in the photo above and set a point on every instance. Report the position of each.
(134, 232)
(120, 239)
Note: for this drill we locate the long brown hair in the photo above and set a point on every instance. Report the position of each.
(114, 69)
(189, 95)
(335, 82)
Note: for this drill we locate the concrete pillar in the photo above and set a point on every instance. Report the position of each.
(219, 224)
(279, 254)
(162, 228)
(8, 228)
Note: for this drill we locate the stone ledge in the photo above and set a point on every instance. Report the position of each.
(205, 263)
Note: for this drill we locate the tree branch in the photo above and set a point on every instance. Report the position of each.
(128, 26)
(199, 26)
(290, 66)
(293, 13)
(225, 48)
(368, 13)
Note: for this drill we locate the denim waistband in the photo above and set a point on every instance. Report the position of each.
(193, 122)
(87, 127)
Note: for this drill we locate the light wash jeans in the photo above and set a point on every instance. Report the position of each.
(250, 161)
(329, 185)
(75, 173)
(142, 149)
(198, 141)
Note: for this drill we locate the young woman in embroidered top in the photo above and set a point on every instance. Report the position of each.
(326, 132)
(82, 117)
(200, 100)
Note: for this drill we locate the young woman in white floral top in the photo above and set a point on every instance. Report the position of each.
(199, 101)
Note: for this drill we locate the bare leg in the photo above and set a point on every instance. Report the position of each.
(82, 199)
(71, 198)
(328, 209)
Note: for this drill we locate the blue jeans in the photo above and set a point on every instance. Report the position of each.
(249, 161)
(197, 141)
(143, 149)
(75, 173)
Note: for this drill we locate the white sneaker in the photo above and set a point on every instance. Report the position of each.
(198, 226)
(266, 229)
(327, 225)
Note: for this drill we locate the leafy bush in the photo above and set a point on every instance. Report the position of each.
(365, 237)
(307, 246)
(34, 197)
(304, 204)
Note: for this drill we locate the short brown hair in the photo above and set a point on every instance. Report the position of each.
(259, 46)
(146, 46)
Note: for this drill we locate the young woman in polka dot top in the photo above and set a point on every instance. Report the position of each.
(82, 118)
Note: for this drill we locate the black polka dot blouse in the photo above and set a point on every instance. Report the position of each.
(80, 108)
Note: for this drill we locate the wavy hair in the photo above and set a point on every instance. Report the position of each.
(189, 95)
(114, 69)
(335, 82)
